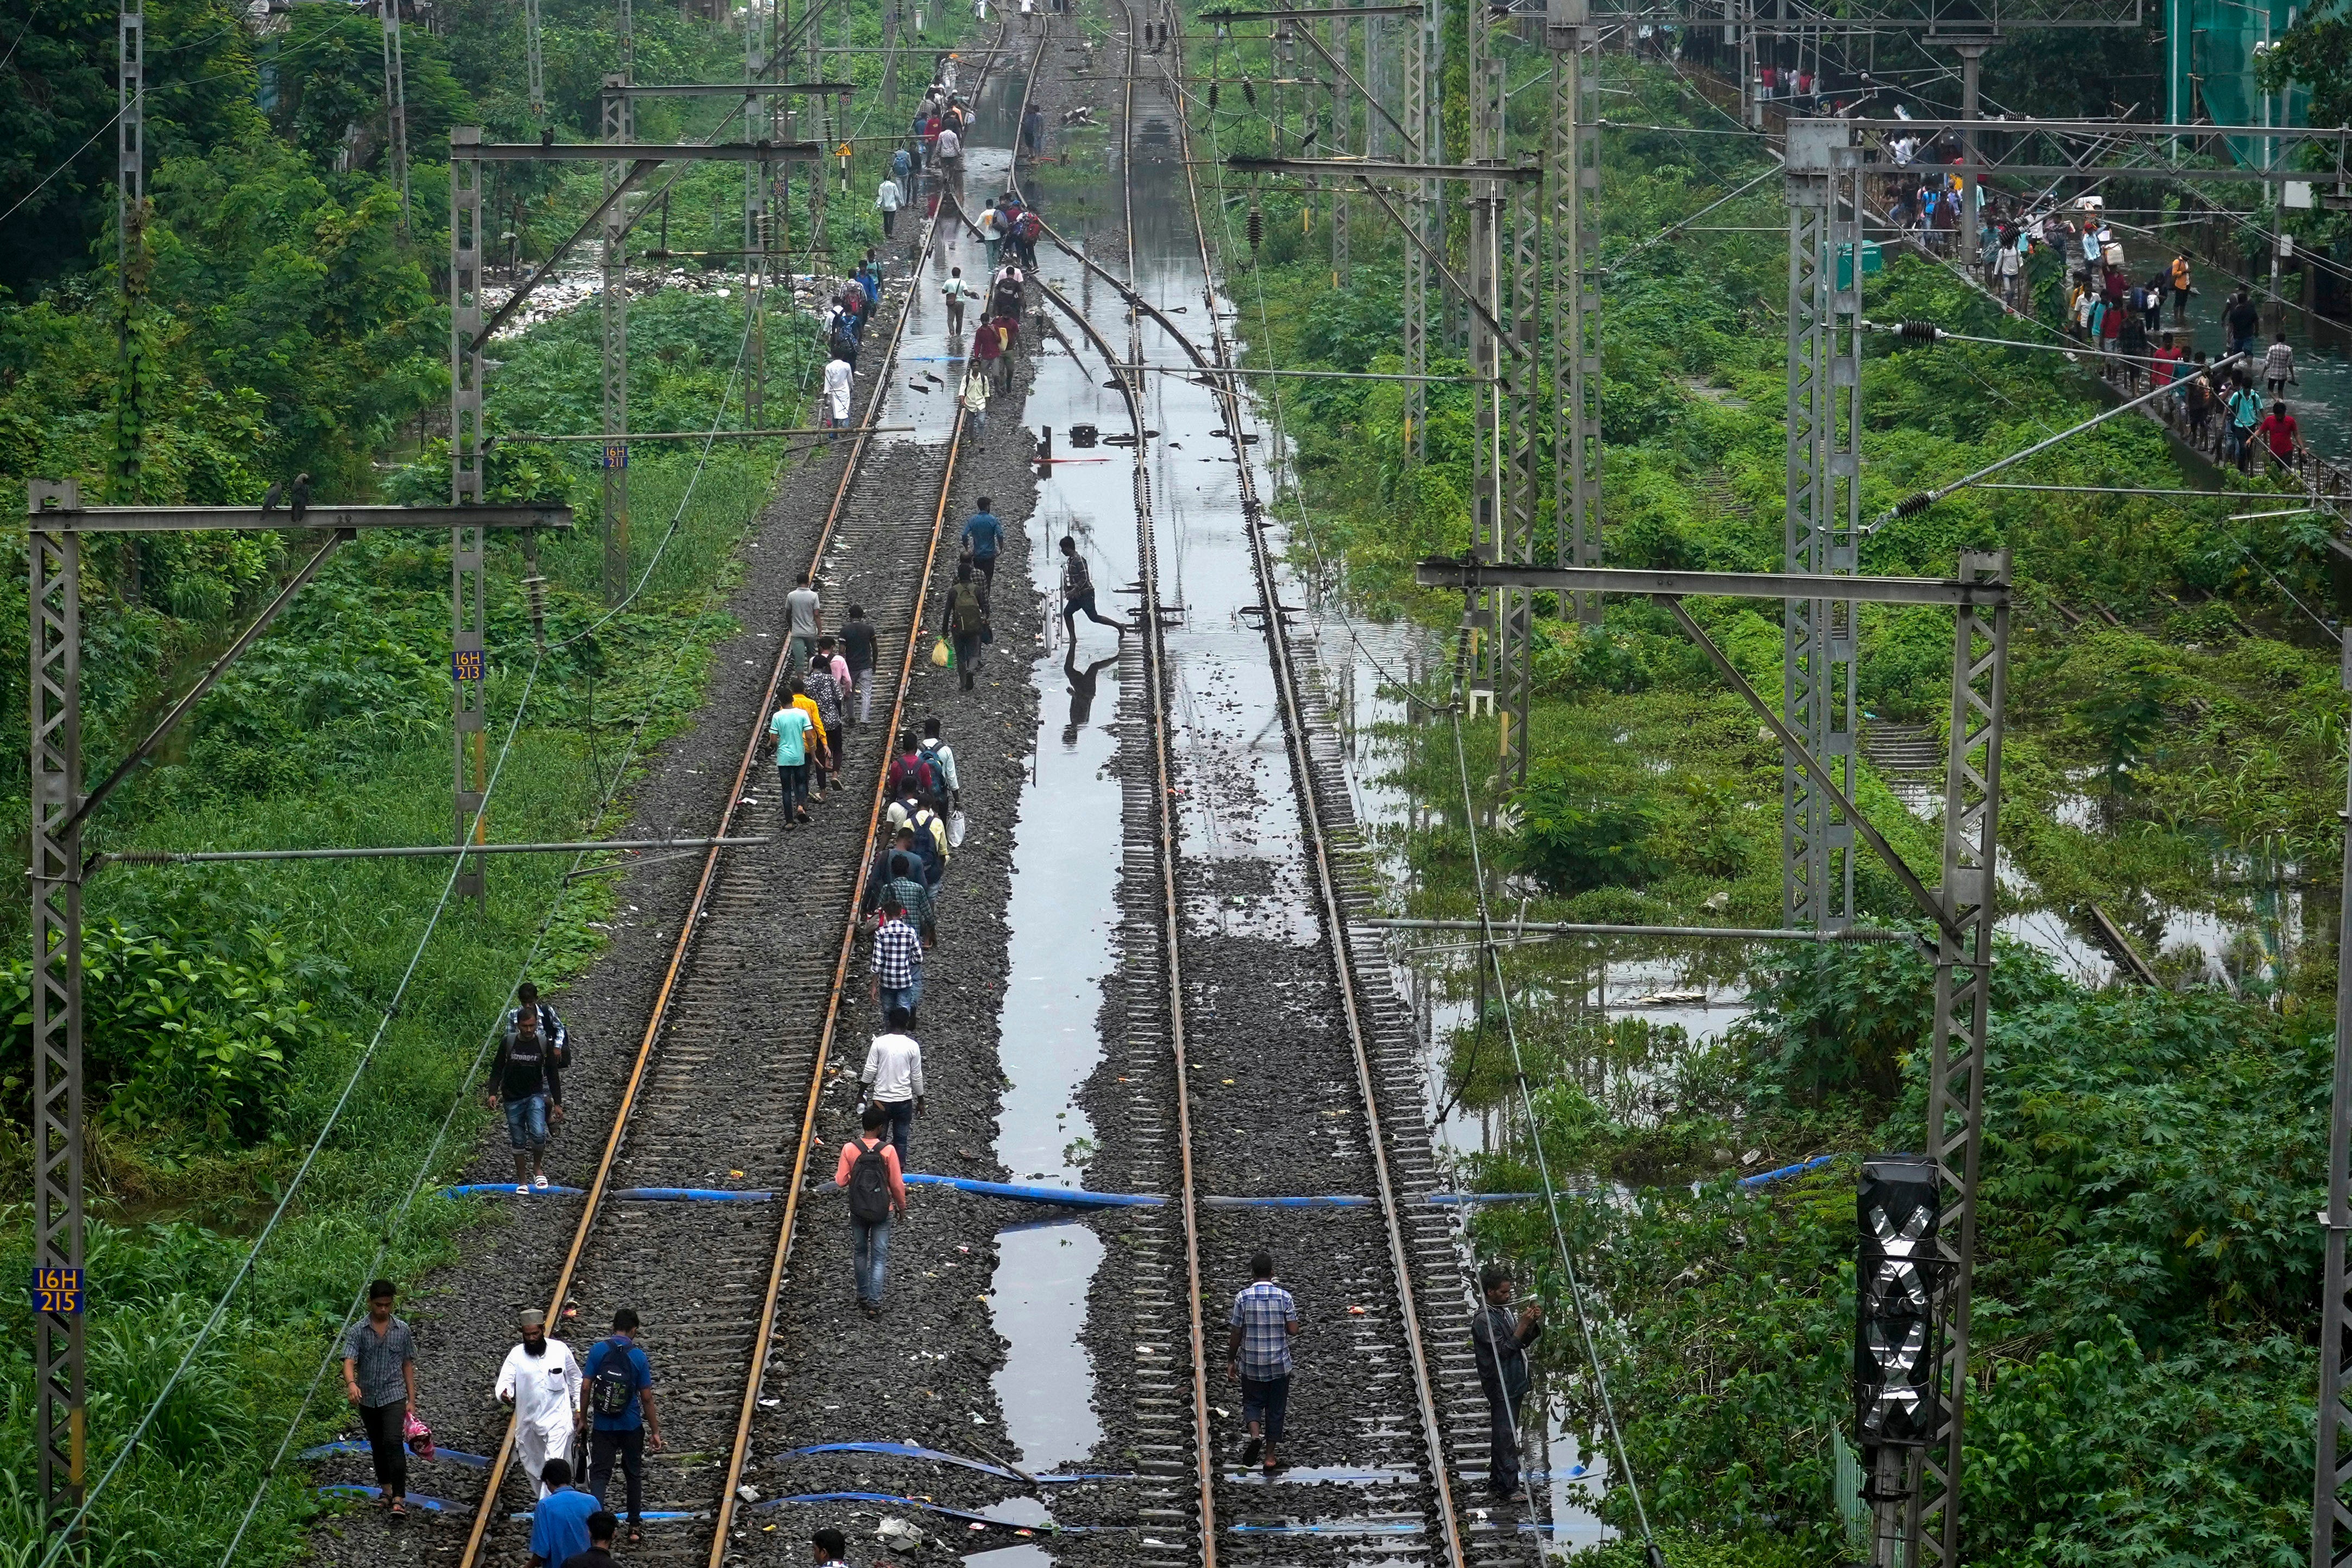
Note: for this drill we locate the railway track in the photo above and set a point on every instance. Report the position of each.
(727, 1078)
(1417, 1418)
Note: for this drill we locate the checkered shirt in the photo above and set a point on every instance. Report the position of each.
(1262, 1312)
(897, 953)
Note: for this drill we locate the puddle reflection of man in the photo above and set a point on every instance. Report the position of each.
(1082, 691)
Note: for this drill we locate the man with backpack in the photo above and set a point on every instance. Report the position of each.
(941, 756)
(913, 775)
(931, 835)
(868, 1173)
(621, 1419)
(899, 874)
(898, 961)
(527, 1079)
(893, 1077)
(965, 619)
(1027, 229)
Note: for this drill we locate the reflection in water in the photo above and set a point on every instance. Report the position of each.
(1082, 691)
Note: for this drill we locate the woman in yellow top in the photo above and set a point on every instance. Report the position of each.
(2180, 289)
(822, 761)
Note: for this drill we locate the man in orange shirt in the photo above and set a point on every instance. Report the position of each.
(869, 1176)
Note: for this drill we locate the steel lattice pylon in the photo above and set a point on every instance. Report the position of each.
(57, 869)
(469, 778)
(1956, 1070)
(395, 100)
(1423, 40)
(1574, 171)
(1823, 516)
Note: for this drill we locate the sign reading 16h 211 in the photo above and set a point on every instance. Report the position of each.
(57, 1291)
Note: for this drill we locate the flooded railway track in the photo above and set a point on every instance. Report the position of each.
(723, 1092)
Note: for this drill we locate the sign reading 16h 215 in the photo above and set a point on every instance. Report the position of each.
(57, 1291)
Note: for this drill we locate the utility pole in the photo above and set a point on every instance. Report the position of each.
(758, 179)
(1822, 519)
(1342, 135)
(1425, 40)
(470, 778)
(537, 82)
(1971, 52)
(2331, 1519)
(1574, 160)
(132, 260)
(615, 266)
(395, 102)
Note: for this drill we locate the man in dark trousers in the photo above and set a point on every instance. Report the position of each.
(621, 1419)
(380, 1377)
(983, 536)
(1079, 593)
(1260, 1327)
(857, 652)
(1501, 1342)
(527, 1081)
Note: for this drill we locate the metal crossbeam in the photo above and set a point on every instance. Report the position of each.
(1442, 573)
(728, 88)
(639, 152)
(1365, 168)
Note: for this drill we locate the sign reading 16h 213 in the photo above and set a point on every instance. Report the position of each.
(57, 1291)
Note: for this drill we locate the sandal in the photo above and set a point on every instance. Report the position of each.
(399, 1509)
(636, 1535)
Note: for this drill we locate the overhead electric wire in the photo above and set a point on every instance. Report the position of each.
(71, 1530)
(1624, 1467)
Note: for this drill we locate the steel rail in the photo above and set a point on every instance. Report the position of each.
(1155, 665)
(740, 1451)
(593, 1207)
(1327, 884)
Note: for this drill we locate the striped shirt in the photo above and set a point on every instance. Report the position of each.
(1264, 1313)
(898, 955)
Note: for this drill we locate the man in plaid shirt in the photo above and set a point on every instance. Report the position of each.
(1262, 1320)
(898, 960)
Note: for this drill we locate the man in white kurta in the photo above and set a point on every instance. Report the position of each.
(541, 1380)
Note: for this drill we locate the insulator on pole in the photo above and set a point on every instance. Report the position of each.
(1256, 225)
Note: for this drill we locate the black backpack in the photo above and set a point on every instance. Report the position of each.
(616, 1382)
(936, 782)
(869, 1184)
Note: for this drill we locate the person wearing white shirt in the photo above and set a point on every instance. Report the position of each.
(837, 377)
(541, 1380)
(894, 1080)
(887, 201)
(950, 155)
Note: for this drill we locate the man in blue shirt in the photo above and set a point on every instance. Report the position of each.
(559, 1522)
(624, 1421)
(984, 536)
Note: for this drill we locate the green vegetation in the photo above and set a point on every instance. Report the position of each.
(283, 321)
(2147, 1266)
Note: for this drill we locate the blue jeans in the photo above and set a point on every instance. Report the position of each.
(869, 1256)
(794, 779)
(909, 997)
(527, 1122)
(901, 1127)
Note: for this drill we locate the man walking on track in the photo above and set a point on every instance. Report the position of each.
(622, 1415)
(1079, 593)
(559, 1521)
(983, 536)
(868, 1174)
(804, 619)
(1501, 1342)
(1262, 1320)
(894, 1080)
(541, 1380)
(898, 961)
(528, 1073)
(965, 619)
(795, 733)
(857, 652)
(380, 1377)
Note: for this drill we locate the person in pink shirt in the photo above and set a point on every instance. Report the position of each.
(869, 1176)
